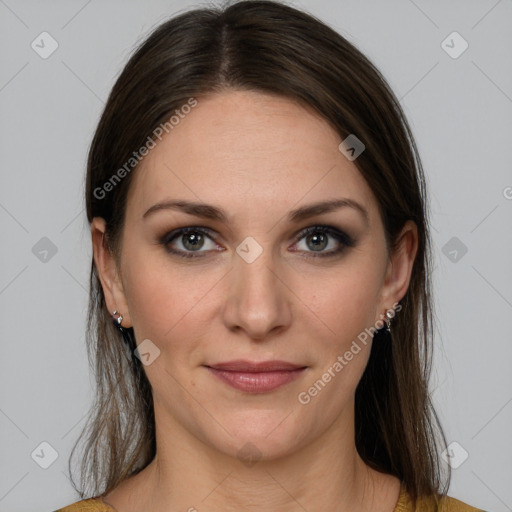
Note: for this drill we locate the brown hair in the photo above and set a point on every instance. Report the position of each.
(272, 48)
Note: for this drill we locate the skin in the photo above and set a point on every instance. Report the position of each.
(258, 157)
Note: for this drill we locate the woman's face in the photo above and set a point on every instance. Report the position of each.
(252, 285)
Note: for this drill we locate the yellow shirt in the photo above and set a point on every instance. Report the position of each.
(404, 504)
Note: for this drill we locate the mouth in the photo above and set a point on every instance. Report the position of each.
(256, 377)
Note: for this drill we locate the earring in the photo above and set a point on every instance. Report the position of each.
(388, 318)
(119, 319)
(117, 322)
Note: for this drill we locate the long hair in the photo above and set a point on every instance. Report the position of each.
(272, 48)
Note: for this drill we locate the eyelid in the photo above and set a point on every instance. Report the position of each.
(330, 230)
(168, 237)
(337, 233)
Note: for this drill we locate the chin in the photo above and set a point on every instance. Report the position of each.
(259, 435)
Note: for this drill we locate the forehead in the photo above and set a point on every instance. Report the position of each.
(248, 153)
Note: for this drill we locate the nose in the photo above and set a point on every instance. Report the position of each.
(258, 301)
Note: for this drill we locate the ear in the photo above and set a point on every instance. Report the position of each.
(399, 269)
(108, 272)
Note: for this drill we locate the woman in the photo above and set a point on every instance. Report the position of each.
(260, 311)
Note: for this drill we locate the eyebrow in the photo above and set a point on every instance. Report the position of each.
(208, 211)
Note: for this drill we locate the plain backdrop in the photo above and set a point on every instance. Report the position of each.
(459, 103)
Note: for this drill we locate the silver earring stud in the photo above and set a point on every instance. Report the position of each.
(124, 331)
(389, 316)
(119, 319)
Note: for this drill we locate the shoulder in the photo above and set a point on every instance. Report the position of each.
(90, 505)
(432, 504)
(448, 504)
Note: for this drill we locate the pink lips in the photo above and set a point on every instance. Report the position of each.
(256, 377)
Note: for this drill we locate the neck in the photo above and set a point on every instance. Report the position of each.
(189, 474)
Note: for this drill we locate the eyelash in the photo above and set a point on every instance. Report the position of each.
(335, 233)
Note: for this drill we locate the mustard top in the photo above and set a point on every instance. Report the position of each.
(404, 504)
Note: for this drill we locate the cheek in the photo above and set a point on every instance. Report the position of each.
(167, 302)
(346, 307)
(347, 302)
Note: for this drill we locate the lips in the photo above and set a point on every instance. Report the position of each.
(256, 377)
(241, 365)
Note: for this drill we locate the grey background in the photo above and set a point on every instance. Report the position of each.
(460, 110)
